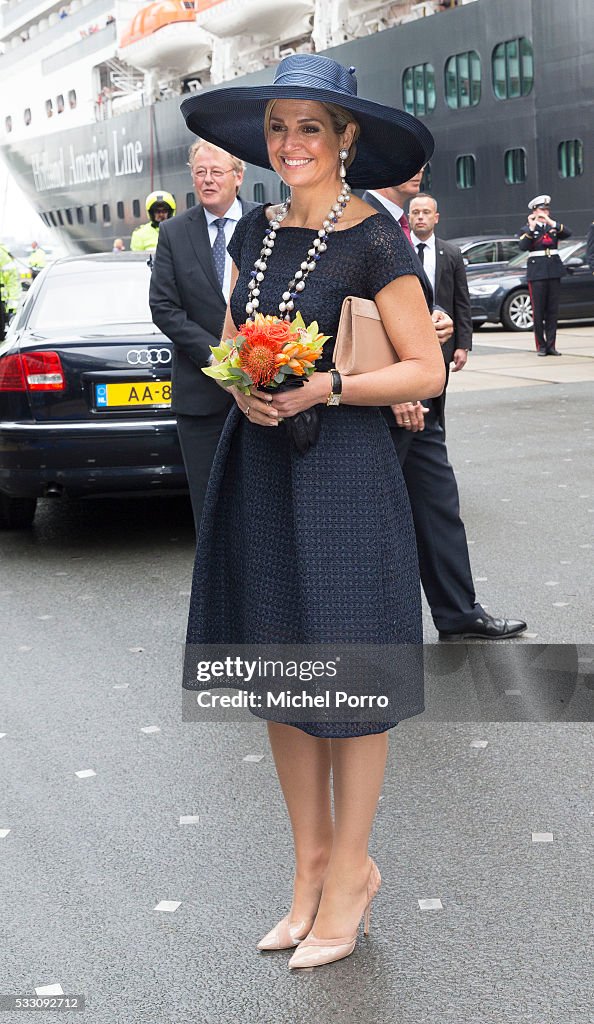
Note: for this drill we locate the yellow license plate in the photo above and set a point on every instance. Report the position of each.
(133, 394)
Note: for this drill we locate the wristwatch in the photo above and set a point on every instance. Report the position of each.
(336, 389)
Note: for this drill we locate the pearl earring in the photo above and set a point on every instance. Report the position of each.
(343, 156)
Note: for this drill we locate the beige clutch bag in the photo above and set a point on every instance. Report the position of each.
(361, 342)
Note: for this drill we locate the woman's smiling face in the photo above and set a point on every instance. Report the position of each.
(302, 144)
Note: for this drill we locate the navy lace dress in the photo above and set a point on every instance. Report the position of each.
(317, 547)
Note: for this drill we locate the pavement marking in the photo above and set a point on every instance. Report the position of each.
(530, 636)
(85, 773)
(562, 487)
(254, 757)
(168, 906)
(552, 583)
(61, 574)
(542, 837)
(4, 832)
(560, 604)
(136, 650)
(44, 617)
(481, 579)
(189, 819)
(2, 735)
(430, 905)
(120, 686)
(151, 728)
(24, 647)
(480, 744)
(49, 990)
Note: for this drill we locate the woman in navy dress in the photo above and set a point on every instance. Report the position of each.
(318, 547)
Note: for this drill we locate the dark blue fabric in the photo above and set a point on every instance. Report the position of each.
(317, 547)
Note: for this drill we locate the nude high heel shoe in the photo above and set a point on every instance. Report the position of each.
(314, 952)
(285, 935)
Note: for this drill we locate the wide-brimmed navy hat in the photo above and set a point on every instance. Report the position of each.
(392, 146)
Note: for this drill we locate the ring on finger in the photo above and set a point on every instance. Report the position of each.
(247, 411)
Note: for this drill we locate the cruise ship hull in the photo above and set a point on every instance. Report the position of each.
(89, 183)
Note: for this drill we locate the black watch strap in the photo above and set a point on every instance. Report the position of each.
(336, 382)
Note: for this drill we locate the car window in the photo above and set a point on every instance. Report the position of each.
(483, 253)
(508, 248)
(103, 294)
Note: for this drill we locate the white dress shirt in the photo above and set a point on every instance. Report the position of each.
(233, 214)
(428, 256)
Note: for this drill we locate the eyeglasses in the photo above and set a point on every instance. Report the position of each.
(215, 172)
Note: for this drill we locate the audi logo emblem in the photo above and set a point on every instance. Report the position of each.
(148, 356)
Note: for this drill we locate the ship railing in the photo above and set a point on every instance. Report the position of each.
(42, 35)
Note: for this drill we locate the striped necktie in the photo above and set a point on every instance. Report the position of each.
(219, 249)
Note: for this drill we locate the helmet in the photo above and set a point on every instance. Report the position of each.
(160, 197)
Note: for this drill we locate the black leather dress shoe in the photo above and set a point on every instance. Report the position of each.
(553, 352)
(542, 352)
(485, 627)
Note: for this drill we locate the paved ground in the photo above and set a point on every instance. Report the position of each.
(93, 615)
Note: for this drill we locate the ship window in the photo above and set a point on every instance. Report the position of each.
(80, 217)
(465, 171)
(72, 99)
(512, 65)
(570, 158)
(60, 104)
(93, 214)
(27, 116)
(53, 219)
(136, 208)
(514, 162)
(418, 89)
(60, 218)
(258, 193)
(463, 80)
(106, 214)
(8, 124)
(427, 179)
(49, 108)
(69, 216)
(285, 191)
(120, 209)
(190, 200)
(44, 218)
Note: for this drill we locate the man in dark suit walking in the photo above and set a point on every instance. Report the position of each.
(418, 432)
(188, 296)
(444, 265)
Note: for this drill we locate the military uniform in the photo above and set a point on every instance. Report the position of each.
(590, 247)
(544, 272)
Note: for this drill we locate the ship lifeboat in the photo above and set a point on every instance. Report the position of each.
(269, 19)
(165, 35)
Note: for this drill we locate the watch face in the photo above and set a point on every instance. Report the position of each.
(333, 400)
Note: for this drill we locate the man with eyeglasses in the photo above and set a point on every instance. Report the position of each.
(189, 290)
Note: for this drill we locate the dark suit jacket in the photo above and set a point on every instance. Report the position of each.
(189, 307)
(451, 293)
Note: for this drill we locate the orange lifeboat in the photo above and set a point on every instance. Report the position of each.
(164, 35)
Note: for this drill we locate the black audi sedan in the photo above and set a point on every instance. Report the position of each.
(85, 389)
(502, 296)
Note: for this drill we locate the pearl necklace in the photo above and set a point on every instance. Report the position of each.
(297, 282)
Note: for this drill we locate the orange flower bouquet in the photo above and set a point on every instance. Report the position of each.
(267, 353)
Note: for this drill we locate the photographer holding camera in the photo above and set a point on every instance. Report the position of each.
(540, 237)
